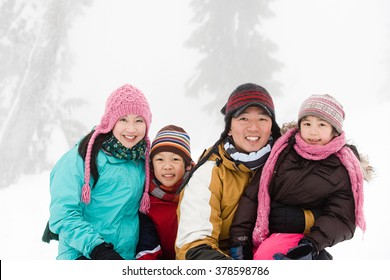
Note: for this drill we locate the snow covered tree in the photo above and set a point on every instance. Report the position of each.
(228, 36)
(34, 59)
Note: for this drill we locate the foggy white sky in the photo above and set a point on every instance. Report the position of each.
(334, 46)
(337, 47)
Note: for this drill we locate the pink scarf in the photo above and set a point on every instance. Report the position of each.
(310, 152)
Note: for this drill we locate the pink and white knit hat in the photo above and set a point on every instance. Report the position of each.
(323, 106)
(126, 100)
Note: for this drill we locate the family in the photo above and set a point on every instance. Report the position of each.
(260, 192)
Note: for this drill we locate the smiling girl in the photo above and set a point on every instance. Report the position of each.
(313, 168)
(96, 217)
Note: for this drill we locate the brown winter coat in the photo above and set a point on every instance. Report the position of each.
(323, 184)
(320, 186)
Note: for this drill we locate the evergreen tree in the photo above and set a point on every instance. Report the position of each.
(233, 50)
(34, 58)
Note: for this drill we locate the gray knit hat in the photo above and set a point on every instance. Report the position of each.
(323, 106)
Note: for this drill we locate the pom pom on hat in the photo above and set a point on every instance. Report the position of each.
(173, 139)
(323, 106)
(126, 100)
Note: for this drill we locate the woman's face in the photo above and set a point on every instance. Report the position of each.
(316, 131)
(251, 129)
(129, 130)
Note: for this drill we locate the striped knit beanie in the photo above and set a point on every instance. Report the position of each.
(126, 100)
(247, 95)
(323, 106)
(175, 139)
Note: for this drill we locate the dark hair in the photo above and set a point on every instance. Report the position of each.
(83, 146)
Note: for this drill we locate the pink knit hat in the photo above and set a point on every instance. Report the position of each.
(126, 100)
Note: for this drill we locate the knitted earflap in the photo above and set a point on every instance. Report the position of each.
(86, 190)
(145, 201)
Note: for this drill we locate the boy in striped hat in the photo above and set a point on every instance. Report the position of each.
(170, 157)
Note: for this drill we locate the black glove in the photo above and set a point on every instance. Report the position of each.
(304, 251)
(241, 252)
(205, 252)
(237, 252)
(288, 219)
(105, 251)
(48, 234)
(240, 248)
(316, 212)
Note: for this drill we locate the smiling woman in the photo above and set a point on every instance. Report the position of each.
(129, 130)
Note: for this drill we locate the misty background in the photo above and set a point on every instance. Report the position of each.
(60, 59)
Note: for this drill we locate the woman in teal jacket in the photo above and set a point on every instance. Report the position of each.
(96, 217)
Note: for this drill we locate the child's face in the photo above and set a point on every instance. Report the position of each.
(251, 130)
(168, 168)
(316, 131)
(129, 130)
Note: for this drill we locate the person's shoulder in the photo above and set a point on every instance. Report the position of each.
(367, 168)
(354, 149)
(71, 161)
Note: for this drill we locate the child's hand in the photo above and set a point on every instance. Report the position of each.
(304, 251)
(237, 253)
(105, 251)
(241, 252)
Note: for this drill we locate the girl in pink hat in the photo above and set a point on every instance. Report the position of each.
(98, 187)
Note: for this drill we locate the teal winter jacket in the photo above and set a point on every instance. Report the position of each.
(112, 214)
